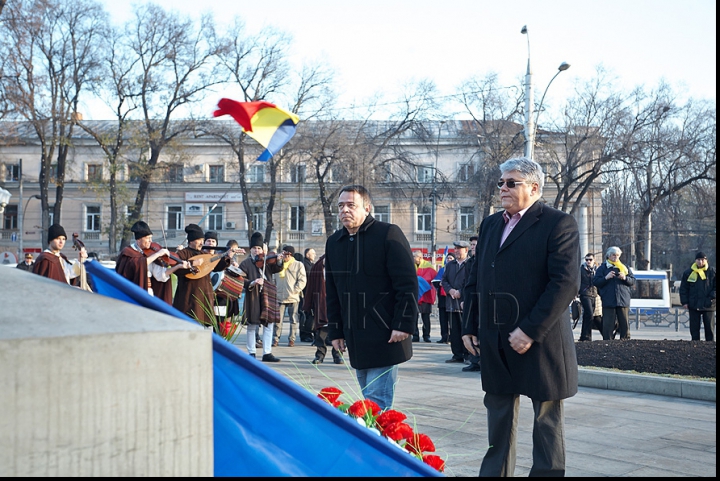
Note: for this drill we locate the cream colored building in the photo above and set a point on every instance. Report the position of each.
(203, 174)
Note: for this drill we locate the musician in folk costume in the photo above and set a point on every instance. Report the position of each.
(137, 267)
(51, 263)
(231, 304)
(195, 297)
(261, 306)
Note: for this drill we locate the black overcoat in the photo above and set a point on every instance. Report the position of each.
(527, 283)
(371, 290)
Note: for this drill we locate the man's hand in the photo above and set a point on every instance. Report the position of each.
(471, 344)
(398, 336)
(339, 344)
(82, 254)
(519, 341)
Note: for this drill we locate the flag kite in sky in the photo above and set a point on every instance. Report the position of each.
(271, 126)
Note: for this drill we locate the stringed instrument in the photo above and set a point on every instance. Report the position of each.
(209, 263)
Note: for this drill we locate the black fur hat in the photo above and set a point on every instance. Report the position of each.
(256, 240)
(55, 231)
(194, 232)
(141, 229)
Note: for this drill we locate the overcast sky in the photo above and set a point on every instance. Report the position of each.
(378, 45)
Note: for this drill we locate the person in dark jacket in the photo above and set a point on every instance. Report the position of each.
(614, 282)
(27, 263)
(371, 289)
(307, 322)
(315, 303)
(524, 276)
(697, 295)
(588, 293)
(453, 281)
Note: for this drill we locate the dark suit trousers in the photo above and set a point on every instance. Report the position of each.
(548, 437)
(708, 318)
(444, 324)
(588, 306)
(612, 314)
(456, 343)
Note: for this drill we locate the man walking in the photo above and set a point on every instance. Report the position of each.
(371, 289)
(291, 281)
(588, 293)
(525, 275)
(697, 295)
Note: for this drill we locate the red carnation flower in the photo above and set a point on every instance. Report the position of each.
(434, 461)
(374, 408)
(420, 443)
(360, 408)
(388, 417)
(330, 394)
(337, 404)
(397, 431)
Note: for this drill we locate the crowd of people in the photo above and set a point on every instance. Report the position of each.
(369, 297)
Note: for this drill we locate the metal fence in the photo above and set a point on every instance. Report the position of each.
(674, 317)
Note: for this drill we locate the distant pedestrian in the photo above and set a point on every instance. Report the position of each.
(27, 263)
(588, 295)
(453, 282)
(697, 295)
(425, 270)
(614, 282)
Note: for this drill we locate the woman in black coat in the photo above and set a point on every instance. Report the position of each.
(614, 282)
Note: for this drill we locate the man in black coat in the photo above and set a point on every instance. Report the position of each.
(588, 293)
(524, 276)
(697, 295)
(371, 288)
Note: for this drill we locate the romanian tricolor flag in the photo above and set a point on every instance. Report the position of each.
(271, 126)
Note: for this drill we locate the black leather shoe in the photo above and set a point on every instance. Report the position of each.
(307, 339)
(270, 358)
(317, 360)
(442, 341)
(426, 339)
(472, 368)
(416, 339)
(455, 359)
(338, 360)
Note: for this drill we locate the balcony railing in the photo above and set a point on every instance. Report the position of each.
(91, 236)
(296, 236)
(423, 237)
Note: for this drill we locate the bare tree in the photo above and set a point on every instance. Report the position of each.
(175, 69)
(50, 55)
(495, 130)
(258, 66)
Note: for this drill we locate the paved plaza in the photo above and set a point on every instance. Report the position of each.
(608, 433)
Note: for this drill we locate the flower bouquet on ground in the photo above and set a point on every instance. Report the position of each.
(229, 328)
(389, 423)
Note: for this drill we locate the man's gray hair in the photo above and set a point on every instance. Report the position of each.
(612, 250)
(531, 170)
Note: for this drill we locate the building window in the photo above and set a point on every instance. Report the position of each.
(174, 173)
(424, 219)
(466, 172)
(258, 218)
(175, 217)
(467, 218)
(10, 217)
(94, 172)
(12, 172)
(134, 173)
(217, 174)
(215, 218)
(92, 218)
(53, 172)
(256, 174)
(51, 214)
(297, 218)
(385, 173)
(381, 213)
(298, 174)
(424, 174)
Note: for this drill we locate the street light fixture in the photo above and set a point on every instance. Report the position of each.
(22, 222)
(433, 197)
(4, 199)
(530, 128)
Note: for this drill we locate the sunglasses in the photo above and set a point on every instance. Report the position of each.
(588, 260)
(511, 183)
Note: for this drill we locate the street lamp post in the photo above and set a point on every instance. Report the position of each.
(21, 224)
(433, 197)
(530, 127)
(4, 199)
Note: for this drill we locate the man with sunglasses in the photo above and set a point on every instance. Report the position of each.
(524, 276)
(588, 293)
